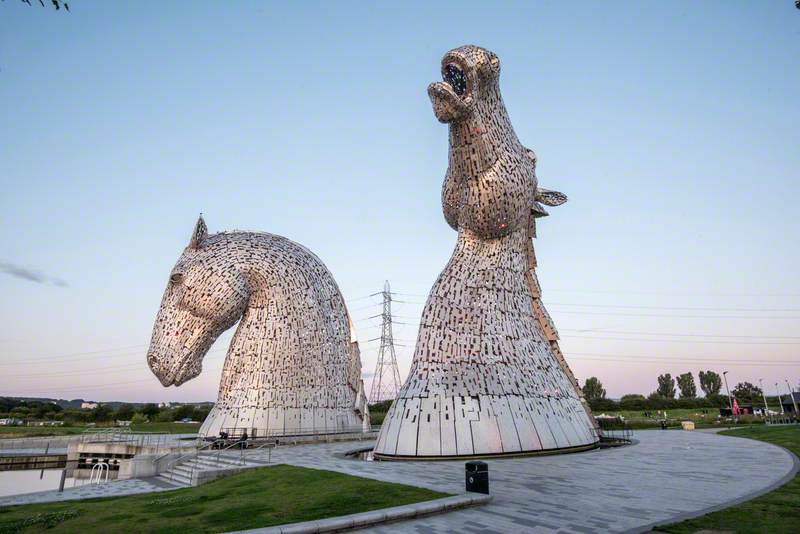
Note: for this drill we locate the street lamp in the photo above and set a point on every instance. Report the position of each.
(764, 396)
(791, 396)
(780, 399)
(730, 400)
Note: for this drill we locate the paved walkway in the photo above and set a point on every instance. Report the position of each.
(115, 488)
(666, 475)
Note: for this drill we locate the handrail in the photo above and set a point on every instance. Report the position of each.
(172, 464)
(102, 469)
(270, 444)
(234, 444)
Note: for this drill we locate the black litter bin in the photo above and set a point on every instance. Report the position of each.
(477, 475)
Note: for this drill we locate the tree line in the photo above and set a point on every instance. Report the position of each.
(665, 394)
(103, 413)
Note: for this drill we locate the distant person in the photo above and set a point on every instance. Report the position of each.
(243, 440)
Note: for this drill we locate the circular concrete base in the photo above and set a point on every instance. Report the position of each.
(521, 454)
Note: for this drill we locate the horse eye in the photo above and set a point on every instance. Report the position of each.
(176, 278)
(456, 78)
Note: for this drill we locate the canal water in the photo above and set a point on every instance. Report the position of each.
(32, 480)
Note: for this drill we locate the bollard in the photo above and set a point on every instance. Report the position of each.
(477, 477)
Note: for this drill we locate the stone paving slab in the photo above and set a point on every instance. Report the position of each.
(116, 488)
(666, 475)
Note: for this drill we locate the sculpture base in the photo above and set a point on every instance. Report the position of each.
(516, 454)
(275, 422)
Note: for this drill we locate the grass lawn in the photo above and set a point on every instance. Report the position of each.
(8, 432)
(774, 513)
(256, 498)
(637, 420)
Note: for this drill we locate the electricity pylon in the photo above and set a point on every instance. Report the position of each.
(386, 380)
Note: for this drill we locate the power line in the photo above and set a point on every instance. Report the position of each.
(698, 359)
(675, 307)
(610, 314)
(69, 355)
(687, 341)
(673, 334)
(685, 362)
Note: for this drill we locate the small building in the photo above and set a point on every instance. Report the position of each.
(786, 401)
(164, 404)
(89, 405)
(123, 423)
(10, 421)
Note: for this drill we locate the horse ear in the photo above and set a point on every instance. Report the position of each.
(199, 234)
(550, 198)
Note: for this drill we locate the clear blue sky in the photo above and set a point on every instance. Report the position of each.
(672, 126)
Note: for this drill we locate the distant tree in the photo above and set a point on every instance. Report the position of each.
(165, 416)
(633, 401)
(710, 383)
(124, 412)
(746, 392)
(687, 386)
(666, 386)
(138, 419)
(200, 413)
(150, 410)
(102, 413)
(186, 410)
(633, 397)
(593, 389)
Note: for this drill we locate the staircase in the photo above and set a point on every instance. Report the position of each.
(180, 474)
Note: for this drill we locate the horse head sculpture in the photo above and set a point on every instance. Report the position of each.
(293, 363)
(199, 304)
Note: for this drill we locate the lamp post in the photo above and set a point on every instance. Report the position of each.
(764, 396)
(791, 396)
(730, 400)
(780, 399)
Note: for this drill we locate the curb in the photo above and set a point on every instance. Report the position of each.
(366, 519)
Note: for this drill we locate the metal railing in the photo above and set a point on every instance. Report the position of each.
(261, 433)
(614, 431)
(156, 440)
(36, 442)
(183, 458)
(782, 419)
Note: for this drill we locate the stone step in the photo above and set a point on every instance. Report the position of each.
(176, 477)
(182, 469)
(175, 481)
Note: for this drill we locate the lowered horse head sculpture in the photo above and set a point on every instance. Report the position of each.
(293, 363)
(198, 305)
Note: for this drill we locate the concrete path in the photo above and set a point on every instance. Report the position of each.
(666, 476)
(91, 491)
